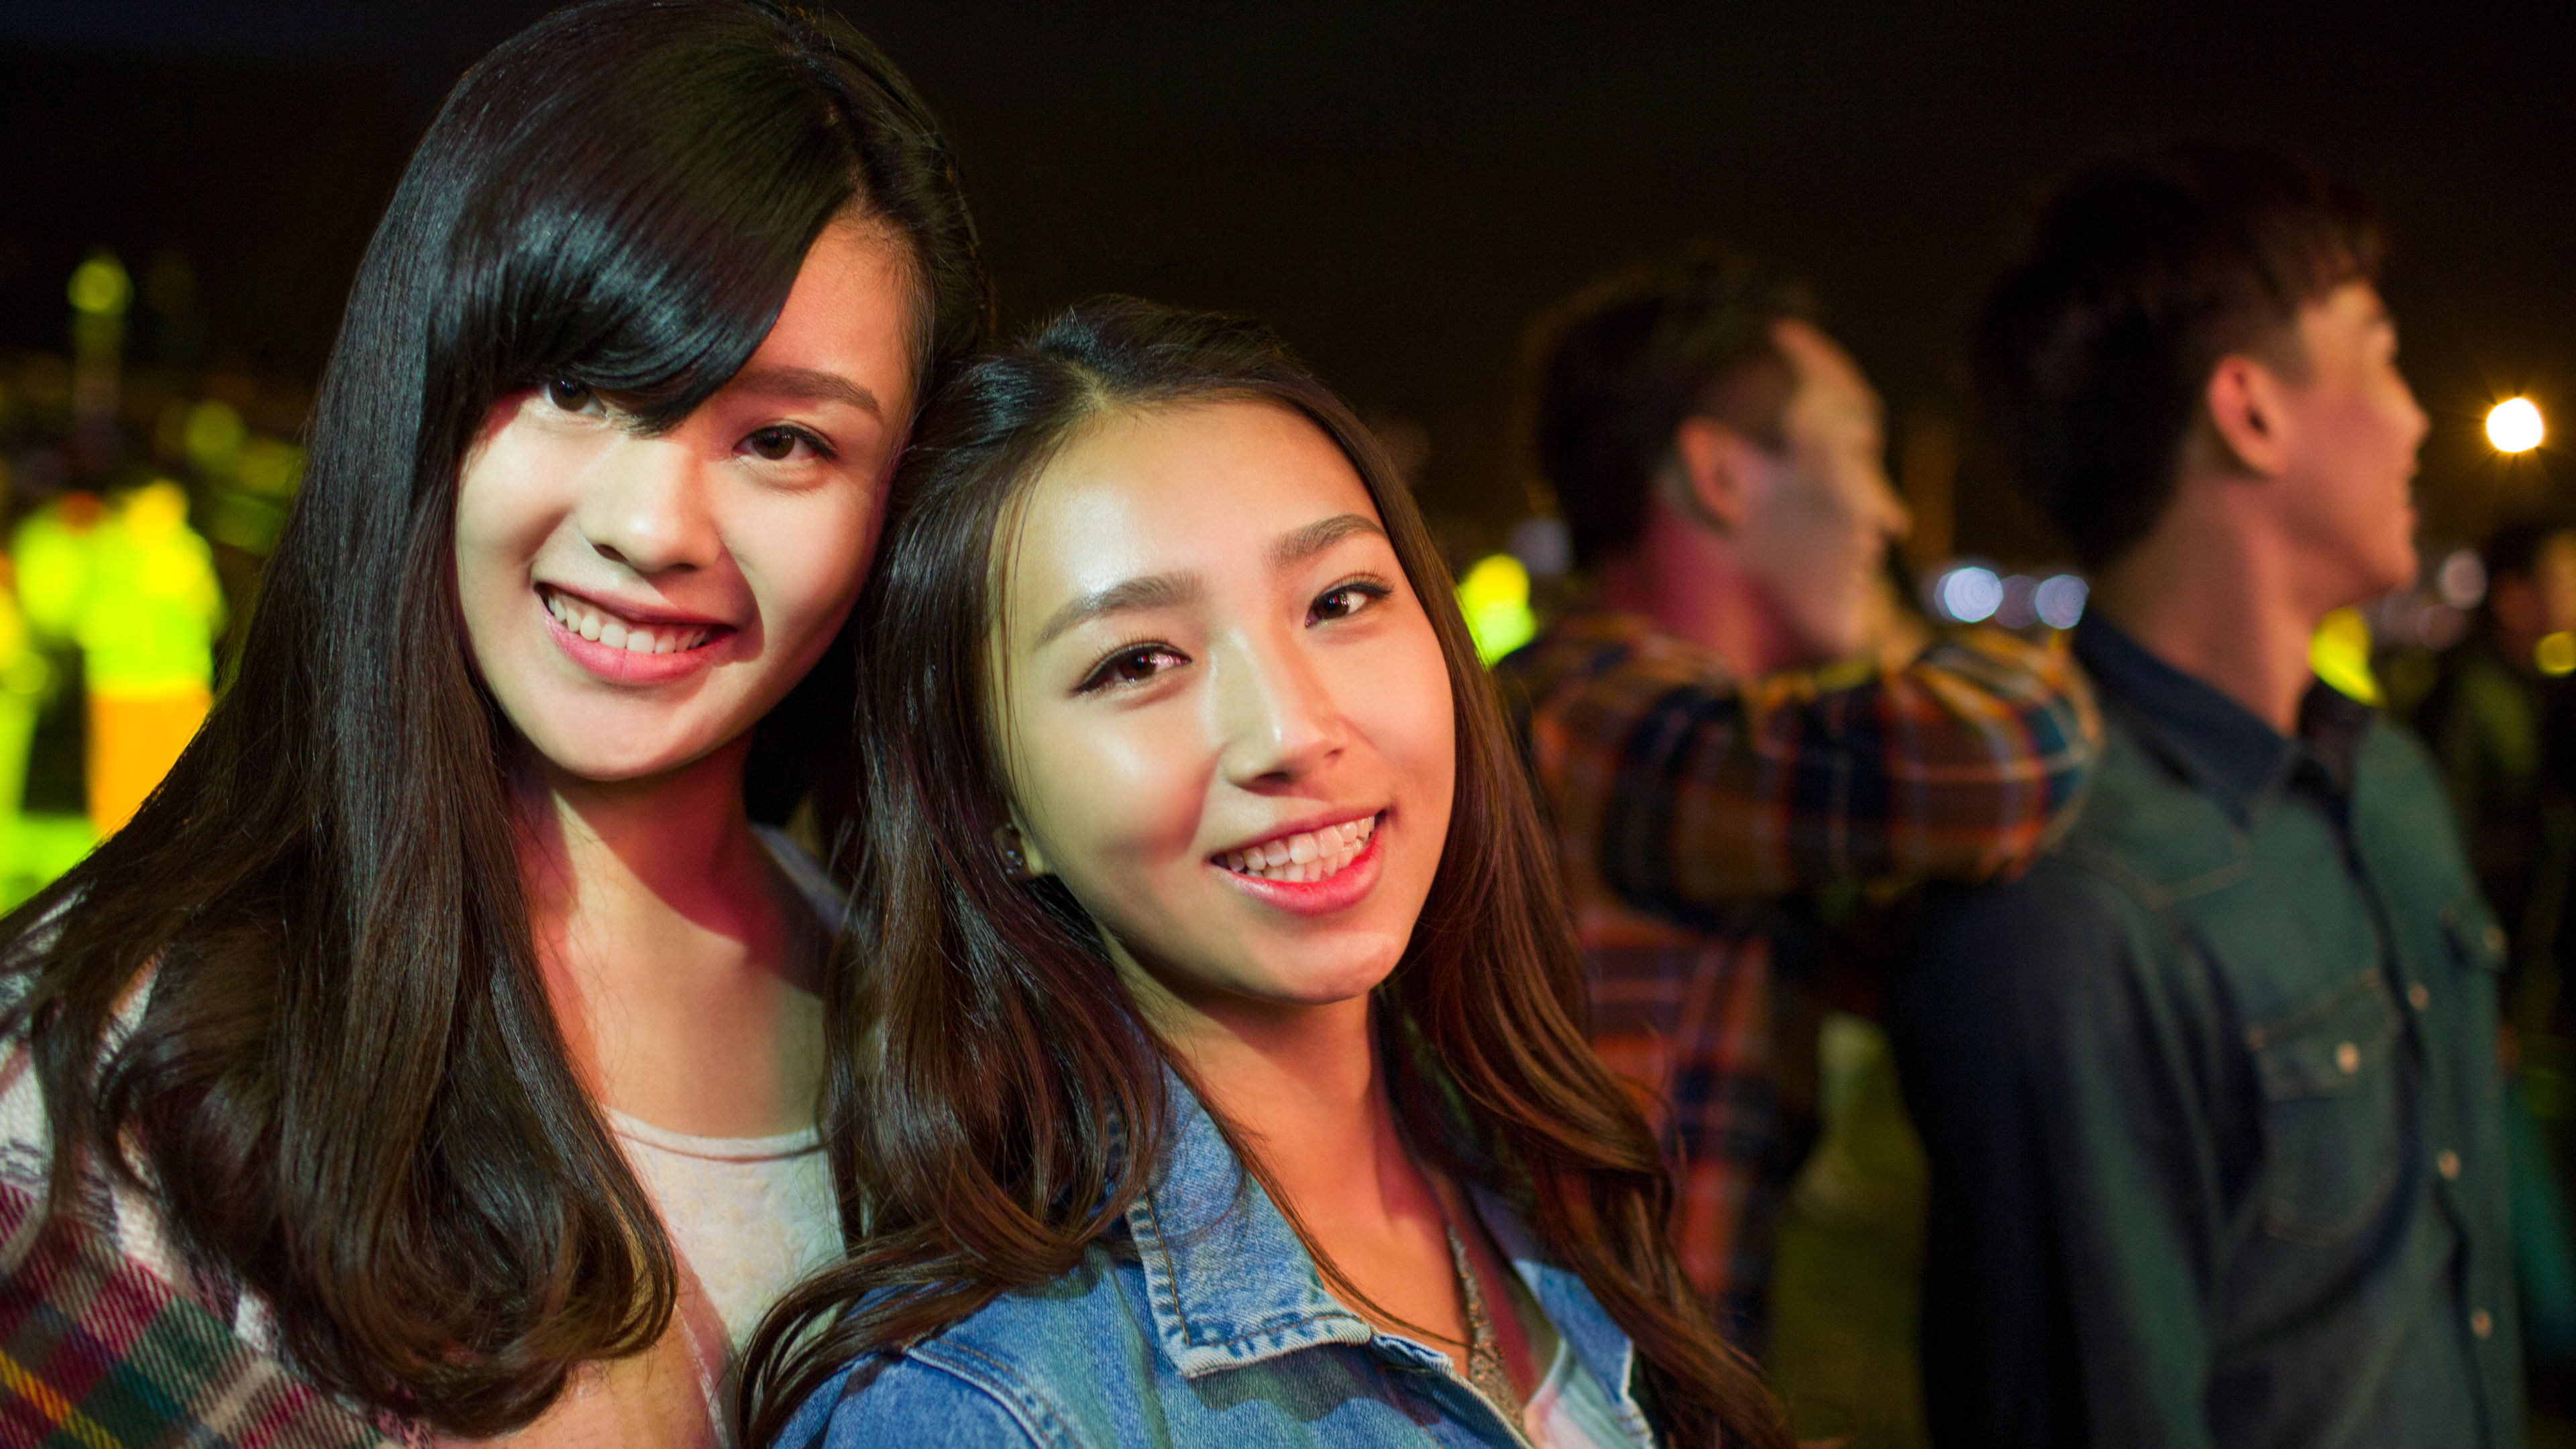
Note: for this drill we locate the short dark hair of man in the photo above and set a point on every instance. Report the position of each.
(1623, 362)
(2093, 350)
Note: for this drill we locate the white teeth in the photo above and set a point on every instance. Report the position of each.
(616, 634)
(1305, 856)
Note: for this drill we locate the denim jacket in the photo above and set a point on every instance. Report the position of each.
(1206, 1324)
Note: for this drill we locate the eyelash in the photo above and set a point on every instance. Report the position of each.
(1374, 590)
(822, 449)
(1099, 678)
(572, 396)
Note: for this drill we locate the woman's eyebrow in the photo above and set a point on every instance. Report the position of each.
(805, 384)
(1152, 591)
(1297, 546)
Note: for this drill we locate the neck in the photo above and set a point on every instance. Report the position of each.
(679, 970)
(1692, 581)
(2218, 593)
(1304, 1086)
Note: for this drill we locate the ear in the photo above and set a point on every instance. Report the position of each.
(1713, 472)
(1021, 857)
(2248, 412)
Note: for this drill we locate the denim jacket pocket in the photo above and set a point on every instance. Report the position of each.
(2330, 1111)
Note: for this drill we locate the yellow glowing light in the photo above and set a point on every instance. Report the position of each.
(2340, 654)
(2514, 425)
(2555, 653)
(1495, 598)
(100, 286)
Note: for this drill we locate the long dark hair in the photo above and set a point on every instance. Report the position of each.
(994, 1102)
(348, 1089)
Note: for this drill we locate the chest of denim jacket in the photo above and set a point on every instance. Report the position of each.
(1205, 1323)
(2346, 968)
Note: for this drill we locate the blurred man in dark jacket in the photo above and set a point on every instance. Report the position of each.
(2211, 1094)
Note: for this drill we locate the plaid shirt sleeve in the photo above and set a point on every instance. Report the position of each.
(1698, 791)
(97, 1350)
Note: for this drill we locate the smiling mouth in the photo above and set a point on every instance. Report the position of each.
(615, 631)
(1308, 855)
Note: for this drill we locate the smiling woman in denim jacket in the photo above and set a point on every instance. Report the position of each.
(1224, 1079)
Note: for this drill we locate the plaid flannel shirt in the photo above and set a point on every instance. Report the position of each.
(1696, 817)
(108, 1341)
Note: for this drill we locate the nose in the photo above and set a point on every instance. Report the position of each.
(647, 508)
(1277, 714)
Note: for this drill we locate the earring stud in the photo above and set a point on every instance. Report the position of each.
(1015, 861)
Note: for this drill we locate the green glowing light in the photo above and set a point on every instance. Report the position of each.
(100, 287)
(1495, 597)
(2340, 654)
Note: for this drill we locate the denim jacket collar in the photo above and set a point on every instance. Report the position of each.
(1204, 1218)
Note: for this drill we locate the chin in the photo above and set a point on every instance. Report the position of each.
(585, 758)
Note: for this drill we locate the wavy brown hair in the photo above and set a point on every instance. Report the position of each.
(348, 1090)
(994, 1100)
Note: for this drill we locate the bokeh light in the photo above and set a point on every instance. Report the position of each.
(2059, 600)
(100, 287)
(1969, 594)
(1495, 597)
(2555, 654)
(2514, 425)
(2340, 654)
(2462, 579)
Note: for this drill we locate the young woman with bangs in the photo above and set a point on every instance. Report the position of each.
(437, 1053)
(1221, 1078)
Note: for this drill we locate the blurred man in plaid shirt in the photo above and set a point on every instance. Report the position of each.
(1712, 732)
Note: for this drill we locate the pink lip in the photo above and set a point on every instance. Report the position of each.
(624, 666)
(1339, 891)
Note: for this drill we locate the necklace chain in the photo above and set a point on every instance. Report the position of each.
(1485, 1370)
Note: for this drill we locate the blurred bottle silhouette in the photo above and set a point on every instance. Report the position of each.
(134, 588)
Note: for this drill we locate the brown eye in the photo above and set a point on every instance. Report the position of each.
(571, 396)
(775, 444)
(1342, 602)
(1133, 666)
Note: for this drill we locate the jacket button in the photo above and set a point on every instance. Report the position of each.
(2447, 1163)
(2348, 1057)
(2481, 1323)
(2419, 996)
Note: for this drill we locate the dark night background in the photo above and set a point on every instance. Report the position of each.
(1398, 188)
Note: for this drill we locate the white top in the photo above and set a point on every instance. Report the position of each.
(749, 1215)
(747, 1218)
(1570, 1409)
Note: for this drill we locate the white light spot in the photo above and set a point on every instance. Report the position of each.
(2514, 425)
(1971, 593)
(2059, 600)
(2462, 579)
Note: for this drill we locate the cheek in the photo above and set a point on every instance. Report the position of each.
(805, 560)
(1113, 800)
(504, 514)
(1404, 705)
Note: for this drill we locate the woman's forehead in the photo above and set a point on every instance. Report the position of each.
(1203, 487)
